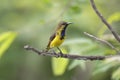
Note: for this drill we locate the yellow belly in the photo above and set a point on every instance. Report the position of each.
(56, 42)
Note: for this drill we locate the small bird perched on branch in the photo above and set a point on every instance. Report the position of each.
(58, 36)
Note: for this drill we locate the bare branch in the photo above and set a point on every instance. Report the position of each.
(102, 41)
(68, 56)
(104, 21)
(78, 57)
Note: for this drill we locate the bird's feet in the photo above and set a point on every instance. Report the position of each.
(60, 54)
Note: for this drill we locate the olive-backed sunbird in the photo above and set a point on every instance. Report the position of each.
(57, 38)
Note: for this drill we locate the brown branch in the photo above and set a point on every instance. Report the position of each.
(104, 21)
(78, 57)
(102, 41)
(68, 56)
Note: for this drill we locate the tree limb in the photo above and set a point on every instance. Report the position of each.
(104, 21)
(68, 56)
(78, 57)
(102, 41)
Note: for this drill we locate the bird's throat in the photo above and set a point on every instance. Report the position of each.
(63, 33)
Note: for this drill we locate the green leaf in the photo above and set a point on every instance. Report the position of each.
(112, 18)
(116, 74)
(106, 65)
(75, 9)
(59, 65)
(84, 46)
(5, 41)
(78, 45)
(76, 63)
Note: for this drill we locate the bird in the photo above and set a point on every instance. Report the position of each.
(58, 37)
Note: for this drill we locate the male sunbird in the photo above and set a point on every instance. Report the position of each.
(58, 36)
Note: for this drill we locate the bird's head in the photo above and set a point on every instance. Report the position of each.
(63, 25)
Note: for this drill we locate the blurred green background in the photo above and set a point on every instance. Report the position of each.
(32, 21)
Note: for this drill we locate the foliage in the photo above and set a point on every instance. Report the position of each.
(111, 19)
(5, 41)
(35, 20)
(59, 65)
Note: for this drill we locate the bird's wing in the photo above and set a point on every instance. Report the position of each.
(50, 40)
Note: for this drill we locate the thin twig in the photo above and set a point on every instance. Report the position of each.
(68, 56)
(104, 20)
(102, 41)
